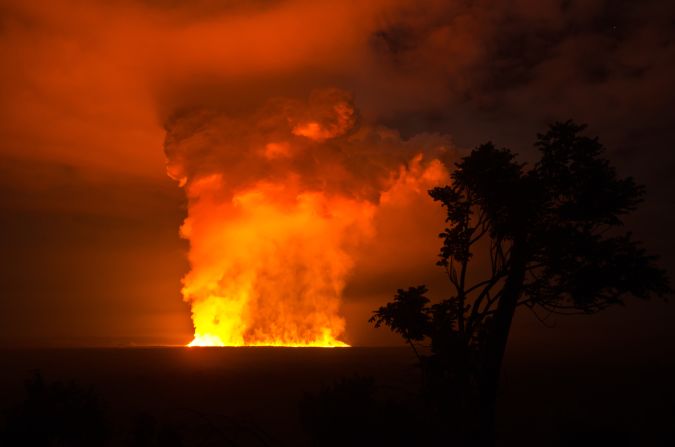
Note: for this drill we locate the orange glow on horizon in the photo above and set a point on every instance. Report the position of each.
(211, 341)
(269, 265)
(278, 204)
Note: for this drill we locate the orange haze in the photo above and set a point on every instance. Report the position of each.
(300, 138)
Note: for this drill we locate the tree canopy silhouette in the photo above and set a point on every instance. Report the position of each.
(552, 240)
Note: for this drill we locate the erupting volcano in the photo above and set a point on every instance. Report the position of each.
(277, 203)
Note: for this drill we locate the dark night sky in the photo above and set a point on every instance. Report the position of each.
(91, 253)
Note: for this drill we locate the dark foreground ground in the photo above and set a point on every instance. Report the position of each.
(251, 396)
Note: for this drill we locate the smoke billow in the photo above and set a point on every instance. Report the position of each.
(278, 201)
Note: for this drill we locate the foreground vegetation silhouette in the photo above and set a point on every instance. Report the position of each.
(354, 411)
(55, 414)
(68, 414)
(552, 241)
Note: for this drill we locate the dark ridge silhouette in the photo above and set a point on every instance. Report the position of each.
(70, 415)
(55, 414)
(148, 431)
(552, 234)
(354, 412)
(279, 397)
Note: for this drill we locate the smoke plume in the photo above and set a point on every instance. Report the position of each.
(278, 201)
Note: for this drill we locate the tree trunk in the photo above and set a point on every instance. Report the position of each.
(496, 344)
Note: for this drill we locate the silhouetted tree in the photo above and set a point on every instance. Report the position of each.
(551, 240)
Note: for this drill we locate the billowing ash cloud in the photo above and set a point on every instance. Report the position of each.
(278, 200)
(318, 142)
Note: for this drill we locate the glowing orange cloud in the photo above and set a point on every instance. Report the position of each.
(277, 204)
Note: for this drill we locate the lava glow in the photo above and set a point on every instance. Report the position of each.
(278, 202)
(268, 266)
